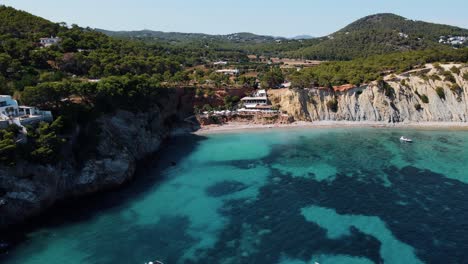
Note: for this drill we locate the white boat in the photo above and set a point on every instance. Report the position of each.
(405, 139)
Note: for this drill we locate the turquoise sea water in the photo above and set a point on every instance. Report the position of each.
(350, 196)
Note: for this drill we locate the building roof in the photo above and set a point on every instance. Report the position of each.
(228, 70)
(254, 98)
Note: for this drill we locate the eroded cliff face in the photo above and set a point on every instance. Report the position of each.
(401, 101)
(125, 137)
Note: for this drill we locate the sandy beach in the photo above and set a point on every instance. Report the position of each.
(240, 126)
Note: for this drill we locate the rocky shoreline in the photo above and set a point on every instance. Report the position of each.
(419, 96)
(27, 190)
(125, 138)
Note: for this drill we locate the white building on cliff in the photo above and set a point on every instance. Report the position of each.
(258, 102)
(12, 113)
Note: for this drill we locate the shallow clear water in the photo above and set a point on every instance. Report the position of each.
(285, 196)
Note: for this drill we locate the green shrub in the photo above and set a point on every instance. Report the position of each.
(435, 77)
(449, 77)
(423, 98)
(388, 90)
(440, 92)
(230, 101)
(418, 107)
(210, 92)
(214, 119)
(456, 88)
(424, 77)
(455, 70)
(207, 108)
(199, 92)
(7, 147)
(465, 76)
(47, 142)
(333, 105)
(438, 67)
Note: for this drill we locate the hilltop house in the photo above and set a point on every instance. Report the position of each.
(47, 42)
(12, 113)
(453, 40)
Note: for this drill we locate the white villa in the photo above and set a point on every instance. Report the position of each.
(12, 113)
(453, 40)
(229, 71)
(258, 102)
(47, 42)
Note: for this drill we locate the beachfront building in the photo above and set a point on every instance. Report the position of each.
(12, 113)
(258, 102)
(47, 42)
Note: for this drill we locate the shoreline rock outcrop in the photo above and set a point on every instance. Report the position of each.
(413, 97)
(125, 138)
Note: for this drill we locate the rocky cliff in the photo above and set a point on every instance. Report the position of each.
(124, 138)
(424, 95)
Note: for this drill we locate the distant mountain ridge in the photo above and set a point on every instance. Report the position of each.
(298, 37)
(379, 34)
(370, 35)
(178, 36)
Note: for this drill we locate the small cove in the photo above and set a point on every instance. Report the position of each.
(347, 195)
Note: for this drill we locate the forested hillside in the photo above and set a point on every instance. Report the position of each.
(379, 34)
(365, 70)
(187, 37)
(371, 35)
(89, 73)
(60, 78)
(240, 44)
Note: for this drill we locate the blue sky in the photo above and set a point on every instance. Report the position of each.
(269, 17)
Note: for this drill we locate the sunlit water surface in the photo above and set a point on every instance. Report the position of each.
(286, 196)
